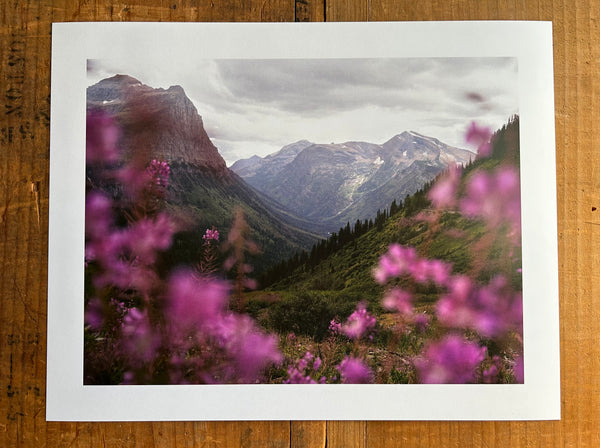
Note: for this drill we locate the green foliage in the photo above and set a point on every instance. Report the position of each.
(210, 202)
(308, 313)
(404, 376)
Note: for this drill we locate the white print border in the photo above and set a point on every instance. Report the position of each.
(74, 43)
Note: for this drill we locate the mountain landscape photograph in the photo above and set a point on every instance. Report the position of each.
(303, 221)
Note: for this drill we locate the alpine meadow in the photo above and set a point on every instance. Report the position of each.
(322, 261)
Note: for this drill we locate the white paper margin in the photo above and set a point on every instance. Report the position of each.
(531, 42)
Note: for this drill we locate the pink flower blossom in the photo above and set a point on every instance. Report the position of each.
(335, 327)
(496, 198)
(452, 360)
(94, 314)
(135, 179)
(491, 310)
(396, 262)
(140, 341)
(305, 371)
(159, 171)
(98, 215)
(211, 235)
(359, 324)
(479, 136)
(102, 135)
(255, 351)
(194, 300)
(519, 370)
(490, 375)
(354, 371)
(421, 321)
(443, 192)
(149, 235)
(400, 301)
(401, 260)
(246, 350)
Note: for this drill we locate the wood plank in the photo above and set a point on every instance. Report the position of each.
(308, 434)
(346, 434)
(249, 434)
(346, 10)
(310, 11)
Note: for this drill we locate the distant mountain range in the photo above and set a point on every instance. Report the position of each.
(332, 184)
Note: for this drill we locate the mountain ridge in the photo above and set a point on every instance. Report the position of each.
(331, 184)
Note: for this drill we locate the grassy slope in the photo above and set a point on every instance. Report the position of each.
(345, 277)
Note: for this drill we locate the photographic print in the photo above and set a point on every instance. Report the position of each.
(388, 257)
(278, 223)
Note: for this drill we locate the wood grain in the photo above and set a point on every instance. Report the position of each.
(24, 155)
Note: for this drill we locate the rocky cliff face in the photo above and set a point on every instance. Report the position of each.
(162, 123)
(332, 184)
(203, 192)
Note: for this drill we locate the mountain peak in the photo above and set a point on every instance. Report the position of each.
(165, 123)
(177, 89)
(122, 79)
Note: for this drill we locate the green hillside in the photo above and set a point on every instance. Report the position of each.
(205, 201)
(334, 277)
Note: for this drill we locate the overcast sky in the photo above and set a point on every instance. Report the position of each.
(258, 106)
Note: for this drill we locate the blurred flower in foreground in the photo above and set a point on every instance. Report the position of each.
(359, 324)
(443, 192)
(403, 260)
(495, 197)
(102, 134)
(479, 136)
(453, 360)
(354, 371)
(491, 310)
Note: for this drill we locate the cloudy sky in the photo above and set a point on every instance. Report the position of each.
(258, 106)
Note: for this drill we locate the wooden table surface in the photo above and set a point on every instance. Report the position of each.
(24, 141)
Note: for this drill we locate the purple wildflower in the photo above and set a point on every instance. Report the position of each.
(490, 375)
(211, 235)
(360, 323)
(519, 370)
(102, 134)
(335, 327)
(453, 360)
(159, 171)
(256, 351)
(135, 179)
(443, 192)
(400, 301)
(421, 321)
(195, 300)
(98, 215)
(147, 236)
(354, 371)
(496, 198)
(491, 310)
(396, 262)
(246, 349)
(140, 342)
(94, 314)
(305, 370)
(479, 136)
(401, 260)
